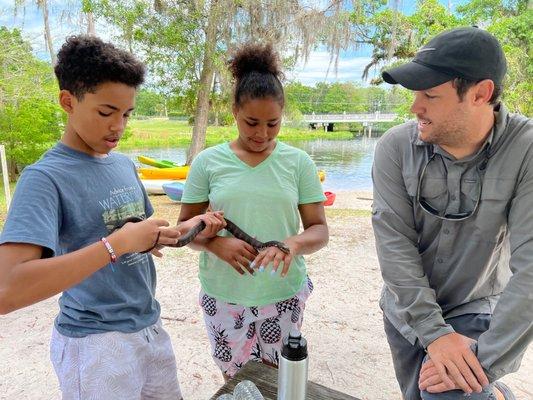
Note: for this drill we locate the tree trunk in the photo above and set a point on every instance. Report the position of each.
(47, 36)
(204, 87)
(12, 170)
(91, 30)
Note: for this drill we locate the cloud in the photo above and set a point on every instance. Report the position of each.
(320, 68)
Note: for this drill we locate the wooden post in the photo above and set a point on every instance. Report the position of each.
(5, 175)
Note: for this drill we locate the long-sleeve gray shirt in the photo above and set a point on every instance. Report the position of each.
(435, 269)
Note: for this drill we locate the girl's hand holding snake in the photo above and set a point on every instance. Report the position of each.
(235, 252)
(214, 221)
(275, 256)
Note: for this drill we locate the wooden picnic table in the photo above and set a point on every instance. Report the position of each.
(266, 379)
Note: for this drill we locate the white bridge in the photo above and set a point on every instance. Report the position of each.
(336, 118)
(328, 120)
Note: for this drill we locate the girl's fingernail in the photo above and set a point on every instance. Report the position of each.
(252, 264)
(261, 268)
(272, 272)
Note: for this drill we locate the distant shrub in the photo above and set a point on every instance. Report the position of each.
(176, 116)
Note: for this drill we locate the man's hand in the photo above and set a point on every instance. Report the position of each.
(430, 380)
(456, 364)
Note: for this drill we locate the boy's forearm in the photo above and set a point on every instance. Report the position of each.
(32, 281)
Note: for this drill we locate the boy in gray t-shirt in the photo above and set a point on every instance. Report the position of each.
(64, 233)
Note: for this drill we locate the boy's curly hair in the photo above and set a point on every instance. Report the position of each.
(84, 62)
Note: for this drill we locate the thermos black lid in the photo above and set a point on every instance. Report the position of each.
(294, 347)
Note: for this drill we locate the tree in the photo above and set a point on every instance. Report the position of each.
(30, 120)
(299, 97)
(186, 42)
(149, 103)
(395, 36)
(42, 5)
(67, 10)
(343, 98)
(509, 20)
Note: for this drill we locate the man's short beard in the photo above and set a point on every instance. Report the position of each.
(448, 137)
(450, 133)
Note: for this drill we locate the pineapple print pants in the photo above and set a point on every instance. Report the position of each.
(116, 365)
(239, 334)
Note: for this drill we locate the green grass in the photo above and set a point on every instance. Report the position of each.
(155, 132)
(346, 212)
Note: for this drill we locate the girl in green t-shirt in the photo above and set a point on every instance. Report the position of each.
(252, 300)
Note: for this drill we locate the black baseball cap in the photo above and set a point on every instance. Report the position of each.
(470, 53)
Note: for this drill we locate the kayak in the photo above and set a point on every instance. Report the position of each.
(156, 163)
(154, 186)
(174, 190)
(173, 173)
(169, 163)
(330, 198)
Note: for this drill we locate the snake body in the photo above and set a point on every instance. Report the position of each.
(230, 227)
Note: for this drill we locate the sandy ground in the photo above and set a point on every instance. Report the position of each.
(348, 349)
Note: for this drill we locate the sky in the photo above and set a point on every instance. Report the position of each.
(318, 68)
(351, 63)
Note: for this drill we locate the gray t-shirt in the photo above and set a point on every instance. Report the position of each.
(69, 200)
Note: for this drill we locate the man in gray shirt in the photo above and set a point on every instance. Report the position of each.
(453, 220)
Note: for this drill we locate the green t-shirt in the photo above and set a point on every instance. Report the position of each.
(261, 200)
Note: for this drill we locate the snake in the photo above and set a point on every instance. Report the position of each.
(230, 227)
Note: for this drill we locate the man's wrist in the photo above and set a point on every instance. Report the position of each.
(429, 331)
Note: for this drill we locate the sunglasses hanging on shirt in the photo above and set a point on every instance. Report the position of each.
(461, 216)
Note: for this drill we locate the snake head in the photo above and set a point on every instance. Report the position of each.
(282, 246)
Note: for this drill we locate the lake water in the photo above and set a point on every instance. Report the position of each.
(347, 162)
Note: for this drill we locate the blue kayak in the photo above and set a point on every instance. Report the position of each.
(174, 190)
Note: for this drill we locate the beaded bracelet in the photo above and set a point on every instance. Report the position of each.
(109, 249)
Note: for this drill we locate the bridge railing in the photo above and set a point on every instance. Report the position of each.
(374, 117)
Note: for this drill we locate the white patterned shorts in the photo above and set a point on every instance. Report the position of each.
(116, 365)
(239, 334)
